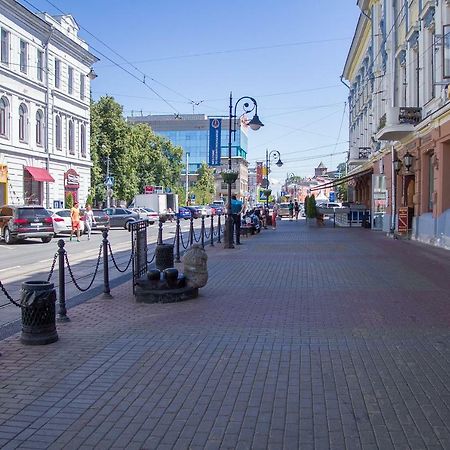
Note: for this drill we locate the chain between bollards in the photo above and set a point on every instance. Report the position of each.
(62, 313)
(219, 226)
(177, 249)
(106, 288)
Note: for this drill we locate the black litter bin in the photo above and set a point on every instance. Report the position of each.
(38, 313)
(164, 256)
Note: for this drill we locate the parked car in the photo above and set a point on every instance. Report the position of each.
(206, 211)
(62, 223)
(217, 209)
(329, 205)
(184, 213)
(101, 220)
(148, 214)
(196, 211)
(23, 222)
(121, 217)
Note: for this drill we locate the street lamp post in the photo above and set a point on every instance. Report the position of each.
(289, 176)
(275, 154)
(255, 124)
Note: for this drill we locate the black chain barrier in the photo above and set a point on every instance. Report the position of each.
(182, 241)
(53, 267)
(114, 260)
(8, 296)
(195, 236)
(153, 258)
(95, 272)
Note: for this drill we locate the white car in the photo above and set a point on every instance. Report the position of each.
(148, 214)
(62, 223)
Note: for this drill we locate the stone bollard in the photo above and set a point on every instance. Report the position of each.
(164, 256)
(195, 266)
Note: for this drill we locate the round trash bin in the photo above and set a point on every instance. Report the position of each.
(37, 303)
(164, 256)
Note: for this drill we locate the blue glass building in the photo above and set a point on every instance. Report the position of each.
(191, 133)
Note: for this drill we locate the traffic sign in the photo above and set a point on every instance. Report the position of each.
(109, 182)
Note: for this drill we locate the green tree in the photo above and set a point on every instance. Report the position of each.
(69, 200)
(306, 205)
(204, 186)
(312, 210)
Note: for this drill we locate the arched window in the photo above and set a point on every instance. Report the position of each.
(4, 117)
(58, 133)
(83, 140)
(71, 138)
(39, 128)
(23, 123)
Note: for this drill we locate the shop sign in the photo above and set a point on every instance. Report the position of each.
(3, 173)
(71, 179)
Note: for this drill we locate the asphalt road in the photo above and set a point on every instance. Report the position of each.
(32, 260)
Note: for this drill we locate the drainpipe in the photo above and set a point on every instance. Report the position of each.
(47, 115)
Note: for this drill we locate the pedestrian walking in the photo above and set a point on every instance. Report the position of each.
(236, 209)
(75, 219)
(274, 216)
(89, 220)
(296, 209)
(291, 210)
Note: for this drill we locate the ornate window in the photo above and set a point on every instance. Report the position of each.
(23, 123)
(4, 117)
(83, 140)
(39, 128)
(58, 132)
(71, 138)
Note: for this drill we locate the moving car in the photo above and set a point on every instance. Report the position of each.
(121, 217)
(23, 222)
(283, 210)
(217, 209)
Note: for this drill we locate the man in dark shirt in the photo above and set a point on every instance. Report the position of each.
(236, 209)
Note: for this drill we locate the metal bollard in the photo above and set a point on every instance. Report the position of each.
(191, 232)
(160, 230)
(219, 228)
(211, 230)
(178, 231)
(334, 219)
(106, 288)
(203, 231)
(62, 313)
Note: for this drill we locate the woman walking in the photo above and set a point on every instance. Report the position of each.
(89, 220)
(274, 216)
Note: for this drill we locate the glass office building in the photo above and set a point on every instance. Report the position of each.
(191, 133)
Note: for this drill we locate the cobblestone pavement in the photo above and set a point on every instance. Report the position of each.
(304, 338)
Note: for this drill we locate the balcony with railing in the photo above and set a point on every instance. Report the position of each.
(398, 122)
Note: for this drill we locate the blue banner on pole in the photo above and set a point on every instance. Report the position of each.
(215, 129)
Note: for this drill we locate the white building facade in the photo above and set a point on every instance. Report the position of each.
(45, 74)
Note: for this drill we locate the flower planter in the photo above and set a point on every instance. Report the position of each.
(229, 177)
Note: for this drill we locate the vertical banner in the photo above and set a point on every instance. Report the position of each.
(215, 129)
(259, 172)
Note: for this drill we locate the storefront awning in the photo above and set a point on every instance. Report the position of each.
(39, 174)
(342, 180)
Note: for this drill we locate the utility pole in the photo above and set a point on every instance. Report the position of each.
(108, 188)
(187, 178)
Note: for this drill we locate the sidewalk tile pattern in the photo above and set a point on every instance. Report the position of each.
(304, 338)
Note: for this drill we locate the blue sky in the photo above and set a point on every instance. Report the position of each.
(287, 55)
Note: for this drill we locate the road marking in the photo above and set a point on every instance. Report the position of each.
(10, 268)
(45, 260)
(7, 247)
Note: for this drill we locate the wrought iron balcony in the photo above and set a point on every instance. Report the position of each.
(398, 122)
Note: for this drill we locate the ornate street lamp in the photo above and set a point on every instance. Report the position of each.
(408, 160)
(255, 124)
(397, 164)
(275, 155)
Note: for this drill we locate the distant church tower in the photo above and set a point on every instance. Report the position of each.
(320, 170)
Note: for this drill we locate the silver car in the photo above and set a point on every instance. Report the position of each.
(121, 217)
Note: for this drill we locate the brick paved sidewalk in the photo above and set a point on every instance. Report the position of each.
(303, 338)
